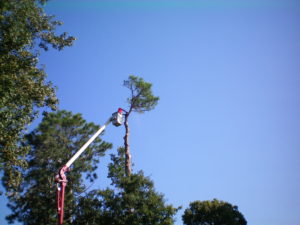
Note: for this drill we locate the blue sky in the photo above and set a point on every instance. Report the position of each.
(227, 73)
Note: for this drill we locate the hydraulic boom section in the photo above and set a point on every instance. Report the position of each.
(116, 119)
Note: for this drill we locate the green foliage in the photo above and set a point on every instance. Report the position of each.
(133, 200)
(213, 212)
(23, 88)
(141, 98)
(53, 143)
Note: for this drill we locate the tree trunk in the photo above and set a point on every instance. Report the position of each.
(127, 147)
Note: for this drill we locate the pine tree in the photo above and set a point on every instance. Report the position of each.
(53, 143)
(131, 200)
(141, 100)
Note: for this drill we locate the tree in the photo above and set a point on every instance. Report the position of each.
(213, 212)
(132, 200)
(141, 100)
(24, 27)
(53, 143)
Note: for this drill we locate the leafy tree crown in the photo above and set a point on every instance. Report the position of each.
(213, 212)
(24, 29)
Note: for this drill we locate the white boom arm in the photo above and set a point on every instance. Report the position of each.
(61, 179)
(82, 149)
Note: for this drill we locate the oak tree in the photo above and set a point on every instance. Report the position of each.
(24, 29)
(213, 212)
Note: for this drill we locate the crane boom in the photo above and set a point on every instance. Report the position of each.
(82, 149)
(61, 179)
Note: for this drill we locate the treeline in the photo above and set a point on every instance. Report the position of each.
(29, 162)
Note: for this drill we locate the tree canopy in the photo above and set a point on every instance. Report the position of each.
(24, 29)
(53, 143)
(213, 212)
(130, 199)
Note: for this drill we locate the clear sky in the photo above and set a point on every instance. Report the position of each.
(227, 72)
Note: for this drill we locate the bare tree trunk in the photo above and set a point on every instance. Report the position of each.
(127, 147)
